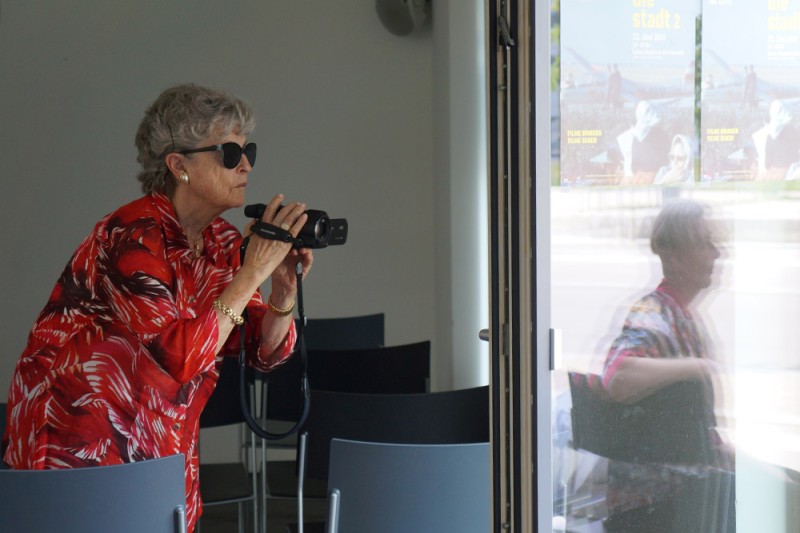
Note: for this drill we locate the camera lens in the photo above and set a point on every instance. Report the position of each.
(321, 230)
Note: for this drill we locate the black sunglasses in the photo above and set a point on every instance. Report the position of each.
(231, 153)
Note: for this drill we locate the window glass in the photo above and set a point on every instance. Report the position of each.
(675, 260)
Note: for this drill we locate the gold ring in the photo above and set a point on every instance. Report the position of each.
(285, 226)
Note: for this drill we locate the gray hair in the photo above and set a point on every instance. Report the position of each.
(675, 227)
(183, 117)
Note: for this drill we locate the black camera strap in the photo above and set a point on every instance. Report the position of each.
(270, 232)
(300, 347)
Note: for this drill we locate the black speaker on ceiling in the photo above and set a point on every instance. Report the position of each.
(403, 17)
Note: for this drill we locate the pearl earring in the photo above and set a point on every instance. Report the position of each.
(184, 177)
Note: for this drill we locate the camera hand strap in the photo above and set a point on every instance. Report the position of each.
(270, 232)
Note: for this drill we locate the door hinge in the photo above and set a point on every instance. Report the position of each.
(505, 33)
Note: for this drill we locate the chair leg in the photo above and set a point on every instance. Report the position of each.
(333, 512)
(263, 487)
(301, 474)
(254, 480)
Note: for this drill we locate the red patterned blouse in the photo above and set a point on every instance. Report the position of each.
(121, 360)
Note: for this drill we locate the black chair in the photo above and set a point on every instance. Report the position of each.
(401, 369)
(452, 417)
(281, 400)
(237, 482)
(389, 369)
(340, 367)
(345, 333)
(133, 497)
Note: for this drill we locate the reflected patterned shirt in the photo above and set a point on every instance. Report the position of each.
(657, 326)
(121, 361)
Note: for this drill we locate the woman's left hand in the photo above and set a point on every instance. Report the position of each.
(284, 277)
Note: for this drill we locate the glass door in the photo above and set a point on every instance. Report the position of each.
(672, 203)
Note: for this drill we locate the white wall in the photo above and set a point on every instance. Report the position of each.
(350, 118)
(460, 162)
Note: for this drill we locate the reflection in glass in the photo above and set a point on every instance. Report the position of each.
(624, 98)
(750, 90)
(729, 321)
(661, 345)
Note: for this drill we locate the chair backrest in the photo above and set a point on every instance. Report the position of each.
(387, 370)
(223, 407)
(669, 426)
(143, 496)
(411, 487)
(451, 417)
(284, 400)
(345, 333)
(399, 369)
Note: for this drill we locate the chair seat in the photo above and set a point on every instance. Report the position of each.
(282, 482)
(224, 482)
(308, 527)
(281, 426)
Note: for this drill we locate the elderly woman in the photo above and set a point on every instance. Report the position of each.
(681, 164)
(125, 354)
(662, 344)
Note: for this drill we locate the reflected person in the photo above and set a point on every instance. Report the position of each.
(644, 146)
(662, 344)
(681, 164)
(126, 352)
(614, 88)
(777, 143)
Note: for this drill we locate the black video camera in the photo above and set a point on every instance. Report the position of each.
(319, 230)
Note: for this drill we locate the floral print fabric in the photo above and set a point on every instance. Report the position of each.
(121, 360)
(657, 326)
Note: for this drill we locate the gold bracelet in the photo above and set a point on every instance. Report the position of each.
(227, 311)
(277, 311)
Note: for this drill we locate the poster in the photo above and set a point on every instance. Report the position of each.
(627, 92)
(750, 96)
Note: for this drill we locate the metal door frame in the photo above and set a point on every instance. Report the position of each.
(519, 226)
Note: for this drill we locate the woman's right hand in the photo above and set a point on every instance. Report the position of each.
(263, 256)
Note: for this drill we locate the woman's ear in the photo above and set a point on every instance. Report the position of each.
(175, 163)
